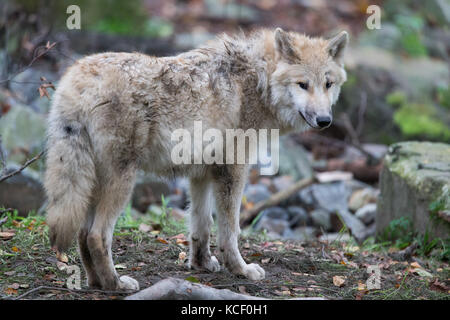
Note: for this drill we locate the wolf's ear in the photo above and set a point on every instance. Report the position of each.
(337, 44)
(283, 44)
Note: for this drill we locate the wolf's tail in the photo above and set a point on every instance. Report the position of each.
(69, 180)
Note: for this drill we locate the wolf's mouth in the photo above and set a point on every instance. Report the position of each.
(304, 118)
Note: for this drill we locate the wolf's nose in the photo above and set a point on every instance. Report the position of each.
(323, 122)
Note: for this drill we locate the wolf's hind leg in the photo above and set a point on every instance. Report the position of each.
(114, 195)
(229, 182)
(200, 225)
(93, 280)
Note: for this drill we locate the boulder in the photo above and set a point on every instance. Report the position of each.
(367, 213)
(294, 159)
(23, 192)
(415, 183)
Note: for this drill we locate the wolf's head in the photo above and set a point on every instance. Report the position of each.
(307, 78)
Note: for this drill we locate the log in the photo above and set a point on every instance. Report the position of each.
(248, 215)
(178, 289)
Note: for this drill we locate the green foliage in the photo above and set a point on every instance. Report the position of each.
(443, 96)
(396, 98)
(410, 27)
(417, 119)
(107, 16)
(399, 232)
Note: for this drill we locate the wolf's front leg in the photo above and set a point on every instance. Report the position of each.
(200, 225)
(228, 184)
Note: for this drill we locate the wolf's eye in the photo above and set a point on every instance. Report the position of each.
(303, 85)
(328, 84)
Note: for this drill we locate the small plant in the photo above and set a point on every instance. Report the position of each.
(399, 233)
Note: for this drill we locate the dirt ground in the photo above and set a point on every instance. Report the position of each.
(337, 270)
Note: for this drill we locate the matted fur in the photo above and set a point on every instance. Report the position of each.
(113, 113)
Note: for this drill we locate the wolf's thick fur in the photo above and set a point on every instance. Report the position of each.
(113, 113)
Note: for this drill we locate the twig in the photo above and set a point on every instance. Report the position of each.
(75, 291)
(361, 112)
(47, 47)
(26, 164)
(248, 215)
(2, 157)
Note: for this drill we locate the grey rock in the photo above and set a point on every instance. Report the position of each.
(361, 197)
(22, 128)
(331, 196)
(293, 159)
(367, 214)
(297, 216)
(148, 190)
(321, 219)
(273, 226)
(357, 229)
(415, 174)
(256, 192)
(22, 192)
(301, 234)
(275, 213)
(335, 236)
(281, 183)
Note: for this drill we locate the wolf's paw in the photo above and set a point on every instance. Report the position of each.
(253, 272)
(211, 265)
(128, 283)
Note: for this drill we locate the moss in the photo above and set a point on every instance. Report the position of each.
(443, 97)
(396, 98)
(419, 119)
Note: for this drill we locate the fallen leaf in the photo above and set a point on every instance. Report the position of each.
(61, 266)
(362, 286)
(61, 256)
(24, 286)
(338, 281)
(145, 227)
(242, 290)
(162, 240)
(14, 286)
(182, 256)
(265, 260)
(415, 265)
(120, 266)
(183, 242)
(10, 273)
(10, 291)
(192, 279)
(15, 249)
(439, 286)
(6, 235)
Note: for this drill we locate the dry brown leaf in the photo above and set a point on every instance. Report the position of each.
(162, 240)
(6, 235)
(338, 281)
(145, 227)
(61, 256)
(10, 291)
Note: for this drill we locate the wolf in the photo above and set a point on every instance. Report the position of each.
(113, 113)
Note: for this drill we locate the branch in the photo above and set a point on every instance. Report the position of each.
(47, 48)
(178, 289)
(248, 215)
(26, 164)
(74, 291)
